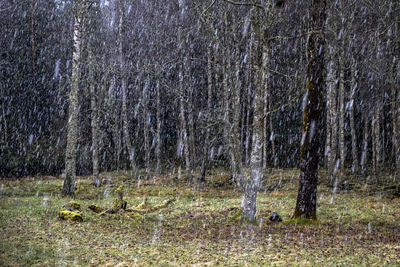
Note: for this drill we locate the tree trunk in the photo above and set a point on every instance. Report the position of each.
(230, 119)
(354, 151)
(95, 121)
(396, 121)
(236, 117)
(376, 140)
(192, 153)
(158, 132)
(206, 146)
(146, 127)
(310, 146)
(116, 119)
(249, 113)
(73, 111)
(332, 107)
(266, 104)
(341, 115)
(125, 121)
(364, 152)
(251, 187)
(184, 135)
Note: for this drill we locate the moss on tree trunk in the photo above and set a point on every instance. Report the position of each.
(310, 142)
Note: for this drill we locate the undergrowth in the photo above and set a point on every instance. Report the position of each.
(357, 226)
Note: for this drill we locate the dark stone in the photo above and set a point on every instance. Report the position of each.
(275, 217)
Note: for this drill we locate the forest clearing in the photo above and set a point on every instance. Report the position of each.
(358, 226)
(200, 133)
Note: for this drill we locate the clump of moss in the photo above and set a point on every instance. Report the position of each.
(235, 215)
(118, 204)
(72, 205)
(70, 215)
(75, 205)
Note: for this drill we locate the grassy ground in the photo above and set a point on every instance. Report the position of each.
(359, 227)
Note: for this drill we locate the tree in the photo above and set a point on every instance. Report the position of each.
(73, 111)
(123, 73)
(310, 143)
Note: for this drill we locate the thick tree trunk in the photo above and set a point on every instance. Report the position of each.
(310, 146)
(94, 122)
(73, 113)
(252, 186)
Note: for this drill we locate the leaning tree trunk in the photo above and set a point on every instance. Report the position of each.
(95, 121)
(73, 112)
(310, 145)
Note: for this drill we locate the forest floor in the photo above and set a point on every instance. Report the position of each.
(357, 226)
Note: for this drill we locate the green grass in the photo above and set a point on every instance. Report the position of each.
(360, 227)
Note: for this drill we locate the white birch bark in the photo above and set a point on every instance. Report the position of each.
(252, 186)
(73, 110)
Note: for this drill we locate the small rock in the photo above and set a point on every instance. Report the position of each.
(275, 217)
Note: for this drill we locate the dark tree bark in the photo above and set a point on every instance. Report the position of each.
(310, 143)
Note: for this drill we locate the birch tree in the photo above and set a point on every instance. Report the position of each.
(73, 110)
